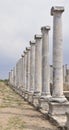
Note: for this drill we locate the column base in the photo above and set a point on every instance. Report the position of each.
(36, 101)
(23, 94)
(61, 99)
(67, 122)
(43, 105)
(43, 102)
(58, 108)
(26, 96)
(30, 98)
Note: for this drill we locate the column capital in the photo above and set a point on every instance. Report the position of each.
(57, 9)
(25, 52)
(37, 36)
(27, 48)
(45, 28)
(32, 42)
(22, 55)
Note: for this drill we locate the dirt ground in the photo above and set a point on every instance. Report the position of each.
(16, 114)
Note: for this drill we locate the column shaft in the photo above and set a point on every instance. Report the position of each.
(38, 64)
(32, 66)
(45, 62)
(57, 53)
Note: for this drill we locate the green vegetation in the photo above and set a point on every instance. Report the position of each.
(15, 123)
(4, 81)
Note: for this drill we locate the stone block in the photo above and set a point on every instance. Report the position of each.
(26, 96)
(43, 104)
(58, 108)
(67, 122)
(30, 98)
(36, 101)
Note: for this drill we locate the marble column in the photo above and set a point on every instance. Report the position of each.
(12, 77)
(38, 70)
(45, 94)
(63, 73)
(25, 69)
(45, 63)
(22, 73)
(32, 71)
(27, 73)
(16, 76)
(32, 66)
(19, 73)
(28, 68)
(9, 78)
(59, 104)
(38, 64)
(57, 95)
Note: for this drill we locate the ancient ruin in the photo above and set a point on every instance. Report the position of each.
(45, 86)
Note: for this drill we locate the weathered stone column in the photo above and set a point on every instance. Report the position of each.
(63, 73)
(38, 69)
(28, 68)
(32, 70)
(16, 76)
(45, 63)
(25, 67)
(57, 95)
(32, 66)
(27, 73)
(19, 74)
(38, 64)
(12, 77)
(45, 94)
(59, 104)
(9, 78)
(22, 72)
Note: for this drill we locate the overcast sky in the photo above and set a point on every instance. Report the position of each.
(20, 20)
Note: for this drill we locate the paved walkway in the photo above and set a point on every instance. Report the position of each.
(16, 114)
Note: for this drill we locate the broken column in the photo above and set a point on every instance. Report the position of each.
(38, 69)
(58, 105)
(45, 94)
(32, 71)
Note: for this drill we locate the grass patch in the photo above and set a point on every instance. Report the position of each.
(15, 123)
